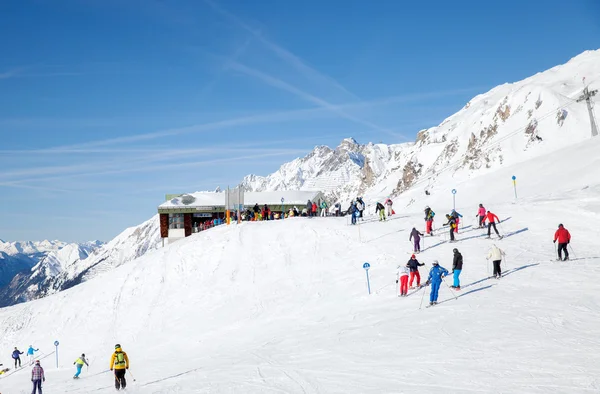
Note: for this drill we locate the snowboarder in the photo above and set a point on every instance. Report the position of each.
(456, 217)
(379, 208)
(415, 236)
(403, 275)
(30, 352)
(564, 238)
(452, 224)
(388, 204)
(429, 214)
(491, 218)
(414, 265)
(37, 377)
(120, 362)
(481, 214)
(79, 363)
(495, 254)
(457, 264)
(323, 209)
(436, 274)
(16, 355)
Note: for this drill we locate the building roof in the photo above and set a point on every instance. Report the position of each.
(214, 199)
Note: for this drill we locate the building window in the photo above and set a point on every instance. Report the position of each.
(175, 220)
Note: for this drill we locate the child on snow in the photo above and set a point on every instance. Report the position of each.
(403, 276)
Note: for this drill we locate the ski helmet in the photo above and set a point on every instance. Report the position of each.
(455, 250)
(82, 354)
(427, 207)
(435, 262)
(117, 346)
(560, 225)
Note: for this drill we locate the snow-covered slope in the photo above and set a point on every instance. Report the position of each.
(509, 124)
(75, 263)
(282, 306)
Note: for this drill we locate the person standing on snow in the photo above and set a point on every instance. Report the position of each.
(16, 355)
(37, 377)
(491, 218)
(120, 362)
(481, 214)
(403, 276)
(495, 254)
(429, 214)
(314, 209)
(414, 265)
(308, 208)
(436, 274)
(388, 204)
(415, 236)
(30, 352)
(360, 204)
(353, 212)
(79, 363)
(323, 209)
(256, 212)
(457, 264)
(456, 217)
(379, 208)
(564, 238)
(452, 224)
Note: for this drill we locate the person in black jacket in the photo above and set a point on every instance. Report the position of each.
(457, 264)
(452, 224)
(256, 211)
(379, 208)
(414, 265)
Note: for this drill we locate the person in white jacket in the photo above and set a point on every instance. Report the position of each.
(495, 254)
(403, 277)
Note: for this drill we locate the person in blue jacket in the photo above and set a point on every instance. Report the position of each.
(354, 212)
(436, 274)
(16, 355)
(30, 355)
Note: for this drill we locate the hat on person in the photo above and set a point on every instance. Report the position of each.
(412, 256)
(435, 262)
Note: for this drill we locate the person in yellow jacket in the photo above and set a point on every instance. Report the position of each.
(79, 363)
(120, 362)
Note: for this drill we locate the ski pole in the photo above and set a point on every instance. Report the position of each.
(422, 297)
(454, 295)
(132, 377)
(398, 281)
(555, 250)
(572, 251)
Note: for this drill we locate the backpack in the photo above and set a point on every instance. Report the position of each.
(119, 358)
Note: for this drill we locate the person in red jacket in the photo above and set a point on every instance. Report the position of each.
(491, 218)
(564, 238)
(314, 209)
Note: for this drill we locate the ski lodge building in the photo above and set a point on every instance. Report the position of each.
(181, 215)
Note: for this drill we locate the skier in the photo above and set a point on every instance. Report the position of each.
(403, 275)
(37, 377)
(353, 212)
(564, 238)
(414, 265)
(452, 224)
(457, 264)
(415, 236)
(79, 363)
(388, 204)
(496, 254)
(436, 274)
(456, 217)
(30, 352)
(381, 209)
(491, 218)
(360, 204)
(323, 209)
(16, 355)
(308, 208)
(429, 214)
(481, 214)
(120, 362)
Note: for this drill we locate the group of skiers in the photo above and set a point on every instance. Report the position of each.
(408, 273)
(119, 363)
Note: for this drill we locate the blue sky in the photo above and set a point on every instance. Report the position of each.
(106, 105)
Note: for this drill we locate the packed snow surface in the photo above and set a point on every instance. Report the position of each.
(282, 307)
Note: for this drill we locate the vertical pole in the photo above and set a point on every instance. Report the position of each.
(454, 202)
(56, 356)
(368, 283)
(591, 113)
(227, 218)
(515, 187)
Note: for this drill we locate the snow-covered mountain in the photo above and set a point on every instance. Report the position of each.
(30, 247)
(509, 124)
(72, 264)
